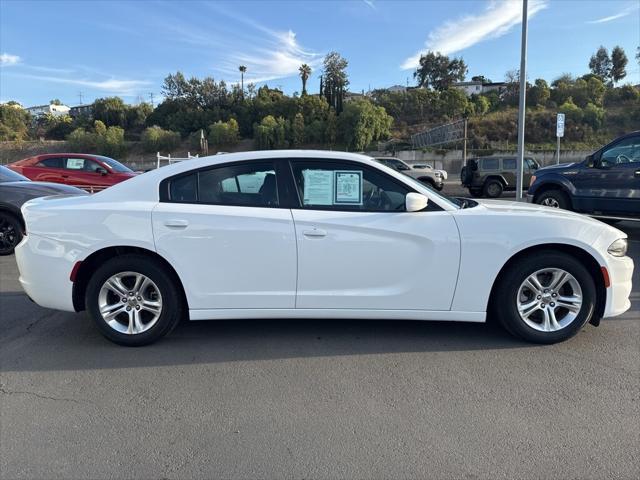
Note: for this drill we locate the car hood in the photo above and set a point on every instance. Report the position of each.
(42, 188)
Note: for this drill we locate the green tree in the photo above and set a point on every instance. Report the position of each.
(297, 130)
(439, 72)
(55, 101)
(335, 79)
(482, 104)
(571, 110)
(156, 139)
(600, 63)
(305, 73)
(14, 122)
(593, 115)
(539, 94)
(331, 128)
(362, 122)
(480, 78)
(111, 111)
(224, 133)
(618, 64)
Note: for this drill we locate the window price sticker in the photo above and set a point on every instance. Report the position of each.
(348, 187)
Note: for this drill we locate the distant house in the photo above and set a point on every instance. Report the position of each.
(81, 111)
(348, 96)
(56, 110)
(478, 88)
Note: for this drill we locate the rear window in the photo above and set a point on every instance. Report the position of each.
(490, 164)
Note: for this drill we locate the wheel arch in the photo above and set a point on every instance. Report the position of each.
(89, 264)
(499, 178)
(14, 211)
(553, 184)
(588, 260)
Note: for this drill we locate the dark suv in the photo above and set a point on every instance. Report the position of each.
(490, 176)
(606, 183)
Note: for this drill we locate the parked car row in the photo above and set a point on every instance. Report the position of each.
(423, 173)
(89, 172)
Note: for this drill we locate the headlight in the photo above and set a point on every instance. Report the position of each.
(618, 248)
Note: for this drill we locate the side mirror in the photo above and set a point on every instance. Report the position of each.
(403, 167)
(414, 202)
(101, 171)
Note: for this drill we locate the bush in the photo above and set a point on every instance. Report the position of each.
(224, 133)
(271, 133)
(103, 140)
(156, 139)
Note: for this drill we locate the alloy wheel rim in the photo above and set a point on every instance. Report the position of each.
(7, 235)
(130, 302)
(494, 189)
(549, 300)
(551, 202)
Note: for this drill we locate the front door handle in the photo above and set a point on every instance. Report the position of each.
(175, 223)
(637, 174)
(315, 232)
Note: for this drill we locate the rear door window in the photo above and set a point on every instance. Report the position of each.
(509, 164)
(51, 163)
(490, 164)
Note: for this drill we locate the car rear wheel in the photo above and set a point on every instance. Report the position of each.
(133, 300)
(10, 233)
(493, 188)
(554, 199)
(545, 298)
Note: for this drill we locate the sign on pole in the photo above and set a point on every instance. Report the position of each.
(560, 125)
(559, 133)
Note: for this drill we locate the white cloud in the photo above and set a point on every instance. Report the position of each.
(370, 4)
(627, 11)
(279, 56)
(112, 85)
(7, 59)
(453, 36)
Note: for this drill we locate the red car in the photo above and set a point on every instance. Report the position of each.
(89, 172)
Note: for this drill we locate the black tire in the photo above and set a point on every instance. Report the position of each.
(10, 233)
(475, 192)
(493, 188)
(506, 292)
(428, 182)
(173, 308)
(554, 199)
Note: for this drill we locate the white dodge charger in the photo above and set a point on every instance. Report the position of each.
(314, 234)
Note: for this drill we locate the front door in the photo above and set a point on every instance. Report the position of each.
(359, 249)
(224, 232)
(612, 185)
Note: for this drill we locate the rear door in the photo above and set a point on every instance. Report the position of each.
(359, 249)
(46, 170)
(229, 236)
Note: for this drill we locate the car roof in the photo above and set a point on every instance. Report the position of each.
(44, 156)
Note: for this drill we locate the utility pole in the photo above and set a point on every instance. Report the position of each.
(464, 151)
(151, 97)
(521, 104)
(80, 96)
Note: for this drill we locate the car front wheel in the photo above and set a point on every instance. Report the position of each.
(133, 300)
(493, 189)
(554, 199)
(545, 298)
(10, 233)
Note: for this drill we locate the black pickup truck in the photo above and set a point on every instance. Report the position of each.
(605, 184)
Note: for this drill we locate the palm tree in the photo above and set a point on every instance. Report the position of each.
(242, 69)
(305, 72)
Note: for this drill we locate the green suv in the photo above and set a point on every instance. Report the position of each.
(490, 176)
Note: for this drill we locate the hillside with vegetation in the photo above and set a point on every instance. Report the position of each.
(597, 109)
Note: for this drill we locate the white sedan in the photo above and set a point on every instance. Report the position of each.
(313, 234)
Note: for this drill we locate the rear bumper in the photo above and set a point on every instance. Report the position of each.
(45, 266)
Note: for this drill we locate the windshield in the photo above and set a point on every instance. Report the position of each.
(7, 175)
(115, 165)
(454, 202)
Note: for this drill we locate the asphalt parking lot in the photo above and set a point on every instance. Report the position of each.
(315, 399)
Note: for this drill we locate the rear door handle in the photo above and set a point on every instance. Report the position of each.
(315, 232)
(175, 223)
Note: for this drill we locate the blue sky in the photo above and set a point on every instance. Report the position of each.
(57, 49)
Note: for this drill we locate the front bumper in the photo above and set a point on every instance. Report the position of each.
(620, 274)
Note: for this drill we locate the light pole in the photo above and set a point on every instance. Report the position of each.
(521, 103)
